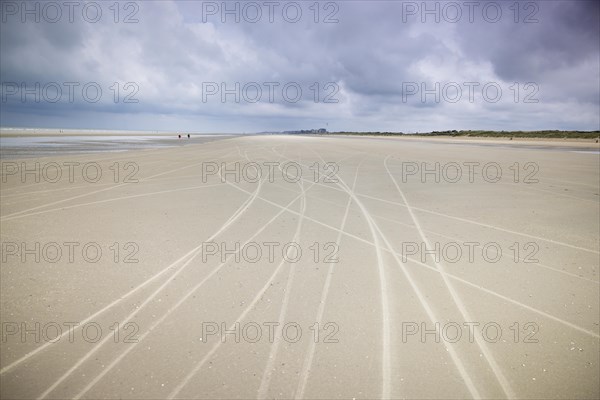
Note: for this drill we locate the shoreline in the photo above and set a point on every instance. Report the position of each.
(37, 147)
(45, 132)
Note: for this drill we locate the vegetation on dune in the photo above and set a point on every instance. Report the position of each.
(552, 134)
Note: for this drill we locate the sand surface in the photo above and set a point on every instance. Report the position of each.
(176, 294)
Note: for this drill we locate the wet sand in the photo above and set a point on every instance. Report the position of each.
(375, 244)
(35, 145)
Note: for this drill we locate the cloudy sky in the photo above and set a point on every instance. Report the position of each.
(277, 65)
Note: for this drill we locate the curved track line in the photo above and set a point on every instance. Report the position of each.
(178, 304)
(195, 252)
(470, 221)
(386, 381)
(62, 168)
(484, 225)
(199, 365)
(153, 180)
(96, 314)
(304, 373)
(234, 216)
(474, 222)
(381, 217)
(112, 199)
(479, 245)
(455, 358)
(362, 240)
(508, 390)
(457, 361)
(267, 372)
(181, 301)
(23, 213)
(121, 198)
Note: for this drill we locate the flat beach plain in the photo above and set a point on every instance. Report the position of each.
(513, 286)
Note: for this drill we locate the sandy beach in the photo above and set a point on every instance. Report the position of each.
(303, 267)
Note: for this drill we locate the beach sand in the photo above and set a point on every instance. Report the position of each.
(375, 241)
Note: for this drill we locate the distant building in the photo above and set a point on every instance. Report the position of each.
(307, 131)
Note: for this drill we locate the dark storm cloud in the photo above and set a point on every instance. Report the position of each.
(375, 49)
(565, 34)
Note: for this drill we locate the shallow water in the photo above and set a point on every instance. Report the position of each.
(42, 146)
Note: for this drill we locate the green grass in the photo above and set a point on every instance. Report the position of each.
(555, 134)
